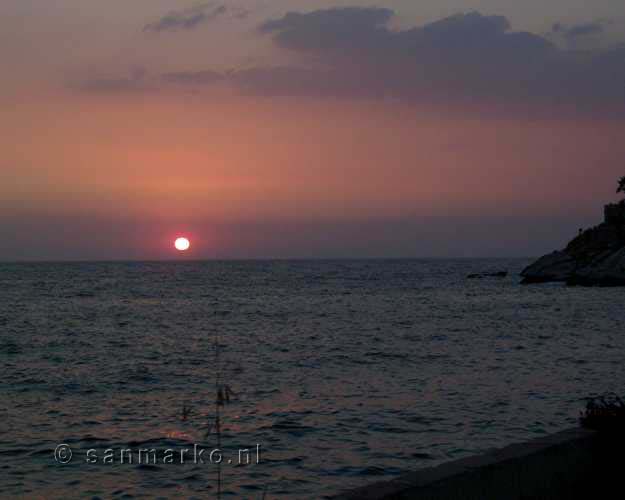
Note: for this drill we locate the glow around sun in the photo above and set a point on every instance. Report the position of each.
(182, 244)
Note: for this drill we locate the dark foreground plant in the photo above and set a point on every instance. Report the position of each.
(606, 411)
(222, 398)
(223, 395)
(621, 185)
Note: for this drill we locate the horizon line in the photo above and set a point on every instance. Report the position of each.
(249, 259)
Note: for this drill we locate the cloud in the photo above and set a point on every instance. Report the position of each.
(137, 81)
(205, 77)
(356, 30)
(578, 30)
(467, 60)
(585, 29)
(465, 57)
(350, 27)
(187, 19)
(240, 13)
(112, 85)
(291, 80)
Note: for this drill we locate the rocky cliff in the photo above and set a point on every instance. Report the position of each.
(594, 258)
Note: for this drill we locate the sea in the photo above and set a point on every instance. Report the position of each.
(326, 375)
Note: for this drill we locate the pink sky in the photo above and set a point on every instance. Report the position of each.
(103, 157)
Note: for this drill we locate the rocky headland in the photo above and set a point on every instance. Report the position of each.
(596, 257)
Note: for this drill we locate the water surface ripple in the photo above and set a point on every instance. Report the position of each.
(345, 372)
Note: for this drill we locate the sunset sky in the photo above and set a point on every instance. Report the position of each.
(274, 128)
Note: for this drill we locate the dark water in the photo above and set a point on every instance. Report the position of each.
(345, 372)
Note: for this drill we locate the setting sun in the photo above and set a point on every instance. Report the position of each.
(182, 244)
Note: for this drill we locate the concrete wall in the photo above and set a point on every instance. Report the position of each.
(572, 464)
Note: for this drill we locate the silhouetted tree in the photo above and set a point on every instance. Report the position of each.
(621, 185)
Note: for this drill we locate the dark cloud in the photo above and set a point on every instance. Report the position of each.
(350, 27)
(585, 29)
(241, 13)
(139, 81)
(290, 80)
(136, 82)
(465, 56)
(355, 30)
(578, 30)
(268, 81)
(187, 19)
(112, 85)
(206, 77)
(468, 59)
